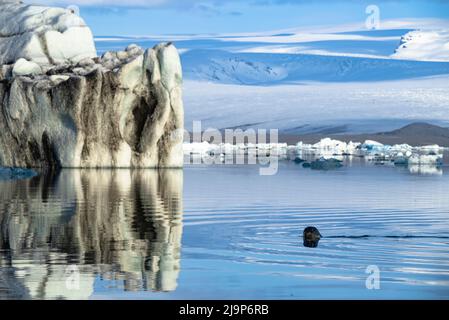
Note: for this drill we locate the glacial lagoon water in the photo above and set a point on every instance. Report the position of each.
(225, 232)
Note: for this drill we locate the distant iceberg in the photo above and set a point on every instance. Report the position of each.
(425, 160)
(326, 149)
(336, 146)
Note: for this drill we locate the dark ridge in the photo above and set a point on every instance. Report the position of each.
(415, 134)
(421, 128)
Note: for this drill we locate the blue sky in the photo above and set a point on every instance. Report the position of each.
(143, 17)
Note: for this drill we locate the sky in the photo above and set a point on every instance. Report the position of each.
(158, 17)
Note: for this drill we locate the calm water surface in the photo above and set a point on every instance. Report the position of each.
(225, 232)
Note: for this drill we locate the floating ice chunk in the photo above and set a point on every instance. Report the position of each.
(373, 143)
(430, 149)
(196, 148)
(400, 160)
(328, 146)
(324, 164)
(370, 145)
(301, 146)
(331, 145)
(205, 148)
(227, 148)
(352, 147)
(425, 160)
(402, 148)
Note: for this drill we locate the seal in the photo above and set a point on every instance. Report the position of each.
(311, 237)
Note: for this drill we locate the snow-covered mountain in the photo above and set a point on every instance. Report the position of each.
(273, 68)
(326, 79)
(430, 45)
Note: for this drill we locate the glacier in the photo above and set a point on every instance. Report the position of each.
(335, 79)
(427, 45)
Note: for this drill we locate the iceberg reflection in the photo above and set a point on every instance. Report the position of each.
(120, 225)
(426, 170)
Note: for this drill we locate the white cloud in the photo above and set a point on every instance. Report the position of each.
(185, 3)
(121, 3)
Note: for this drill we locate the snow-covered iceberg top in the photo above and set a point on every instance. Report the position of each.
(43, 35)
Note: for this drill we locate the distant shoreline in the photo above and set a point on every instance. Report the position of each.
(416, 134)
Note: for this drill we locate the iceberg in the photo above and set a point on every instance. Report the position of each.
(328, 147)
(328, 144)
(431, 149)
(63, 106)
(425, 160)
(323, 164)
(399, 154)
(373, 146)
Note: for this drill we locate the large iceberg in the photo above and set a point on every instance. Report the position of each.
(65, 107)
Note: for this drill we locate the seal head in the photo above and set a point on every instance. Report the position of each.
(311, 237)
